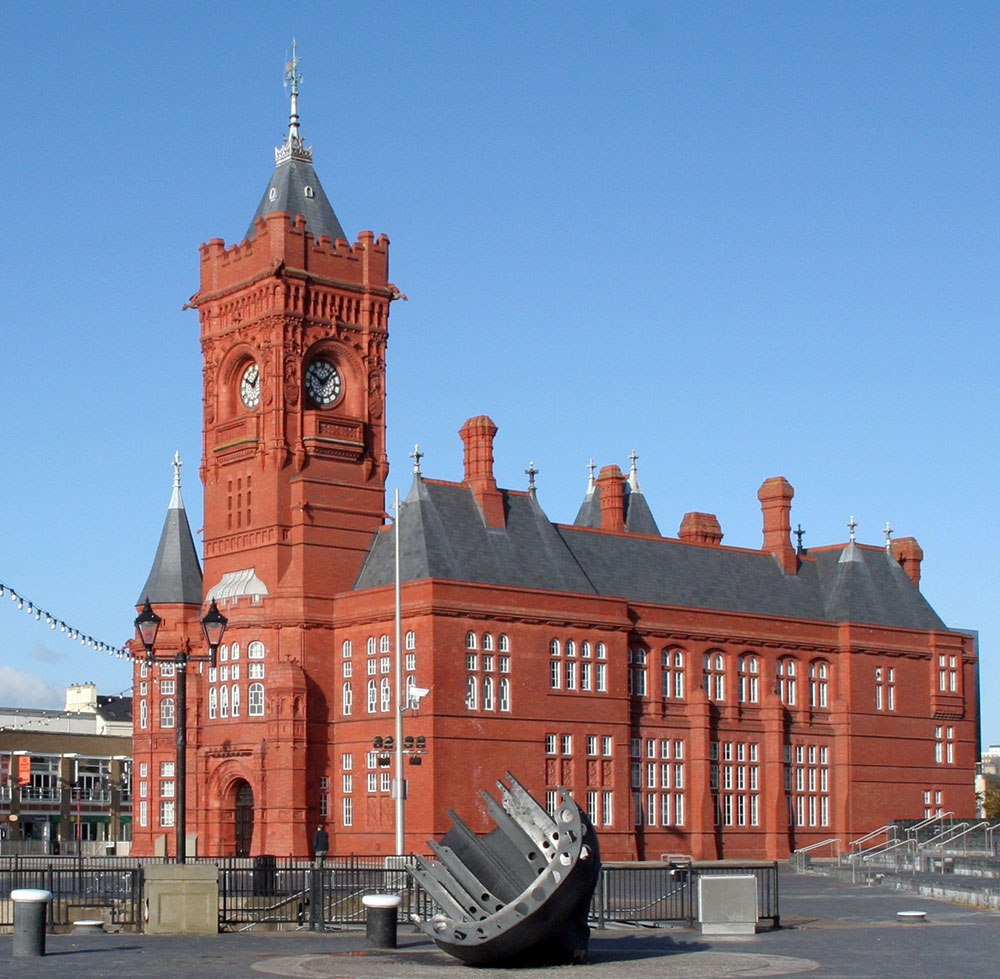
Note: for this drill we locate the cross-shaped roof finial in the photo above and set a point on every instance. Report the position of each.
(887, 530)
(799, 534)
(590, 479)
(177, 469)
(416, 455)
(531, 472)
(851, 525)
(633, 475)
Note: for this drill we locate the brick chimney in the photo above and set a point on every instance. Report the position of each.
(775, 495)
(477, 434)
(909, 554)
(611, 483)
(700, 528)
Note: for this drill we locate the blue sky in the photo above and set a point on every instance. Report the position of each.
(743, 239)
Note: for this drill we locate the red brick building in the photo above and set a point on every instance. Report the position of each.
(694, 697)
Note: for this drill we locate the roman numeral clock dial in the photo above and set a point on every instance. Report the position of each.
(323, 383)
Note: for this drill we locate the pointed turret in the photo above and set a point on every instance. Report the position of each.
(294, 186)
(175, 577)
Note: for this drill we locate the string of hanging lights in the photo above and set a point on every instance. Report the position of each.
(35, 610)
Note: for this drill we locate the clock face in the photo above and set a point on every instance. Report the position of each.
(323, 383)
(250, 386)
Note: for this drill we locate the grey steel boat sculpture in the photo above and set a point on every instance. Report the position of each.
(520, 894)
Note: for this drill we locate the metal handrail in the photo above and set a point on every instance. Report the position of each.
(888, 828)
(944, 836)
(965, 832)
(813, 846)
(870, 854)
(926, 822)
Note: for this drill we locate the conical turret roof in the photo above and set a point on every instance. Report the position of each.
(175, 578)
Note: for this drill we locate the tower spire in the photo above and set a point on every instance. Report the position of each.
(292, 148)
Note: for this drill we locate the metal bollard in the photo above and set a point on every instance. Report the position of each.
(30, 906)
(380, 919)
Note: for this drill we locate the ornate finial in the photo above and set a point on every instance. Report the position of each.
(590, 479)
(851, 525)
(633, 474)
(292, 149)
(176, 502)
(799, 534)
(887, 530)
(531, 472)
(416, 455)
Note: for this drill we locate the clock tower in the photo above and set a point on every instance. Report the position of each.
(294, 325)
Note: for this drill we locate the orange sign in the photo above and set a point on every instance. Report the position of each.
(24, 769)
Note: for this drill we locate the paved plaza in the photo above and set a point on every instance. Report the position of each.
(830, 929)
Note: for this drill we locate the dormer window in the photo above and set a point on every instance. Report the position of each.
(309, 192)
(272, 194)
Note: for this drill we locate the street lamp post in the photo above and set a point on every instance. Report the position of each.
(213, 624)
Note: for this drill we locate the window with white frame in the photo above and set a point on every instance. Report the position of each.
(236, 700)
(470, 640)
(346, 699)
(385, 695)
(472, 692)
(785, 675)
(167, 712)
(371, 647)
(166, 812)
(372, 696)
(672, 667)
(637, 671)
(383, 643)
(255, 700)
(819, 676)
(714, 676)
(487, 693)
(255, 650)
(504, 643)
(749, 667)
(487, 640)
(410, 642)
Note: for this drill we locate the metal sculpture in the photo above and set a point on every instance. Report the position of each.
(519, 895)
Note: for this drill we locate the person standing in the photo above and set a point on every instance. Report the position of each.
(321, 845)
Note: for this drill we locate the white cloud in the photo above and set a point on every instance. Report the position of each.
(21, 689)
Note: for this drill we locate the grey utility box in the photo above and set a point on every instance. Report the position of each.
(727, 904)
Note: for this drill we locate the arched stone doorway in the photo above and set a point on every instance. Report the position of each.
(244, 818)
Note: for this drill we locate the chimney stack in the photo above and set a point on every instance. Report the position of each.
(611, 483)
(700, 528)
(477, 434)
(909, 554)
(775, 495)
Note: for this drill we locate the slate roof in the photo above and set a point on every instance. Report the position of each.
(444, 536)
(115, 708)
(289, 181)
(638, 517)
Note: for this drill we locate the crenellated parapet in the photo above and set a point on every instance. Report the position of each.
(284, 245)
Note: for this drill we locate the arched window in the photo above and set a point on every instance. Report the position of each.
(504, 693)
(585, 649)
(637, 672)
(749, 667)
(672, 665)
(213, 703)
(236, 700)
(254, 651)
(346, 699)
(372, 696)
(470, 640)
(488, 693)
(348, 649)
(819, 675)
(411, 702)
(411, 640)
(224, 701)
(554, 648)
(571, 647)
(223, 653)
(234, 651)
(786, 684)
(255, 700)
(471, 692)
(143, 714)
(714, 676)
(487, 640)
(167, 712)
(504, 643)
(602, 651)
(370, 646)
(385, 695)
(383, 644)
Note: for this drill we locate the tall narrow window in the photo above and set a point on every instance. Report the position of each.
(504, 687)
(714, 676)
(236, 700)
(488, 693)
(471, 692)
(749, 667)
(167, 712)
(372, 696)
(255, 700)
(819, 673)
